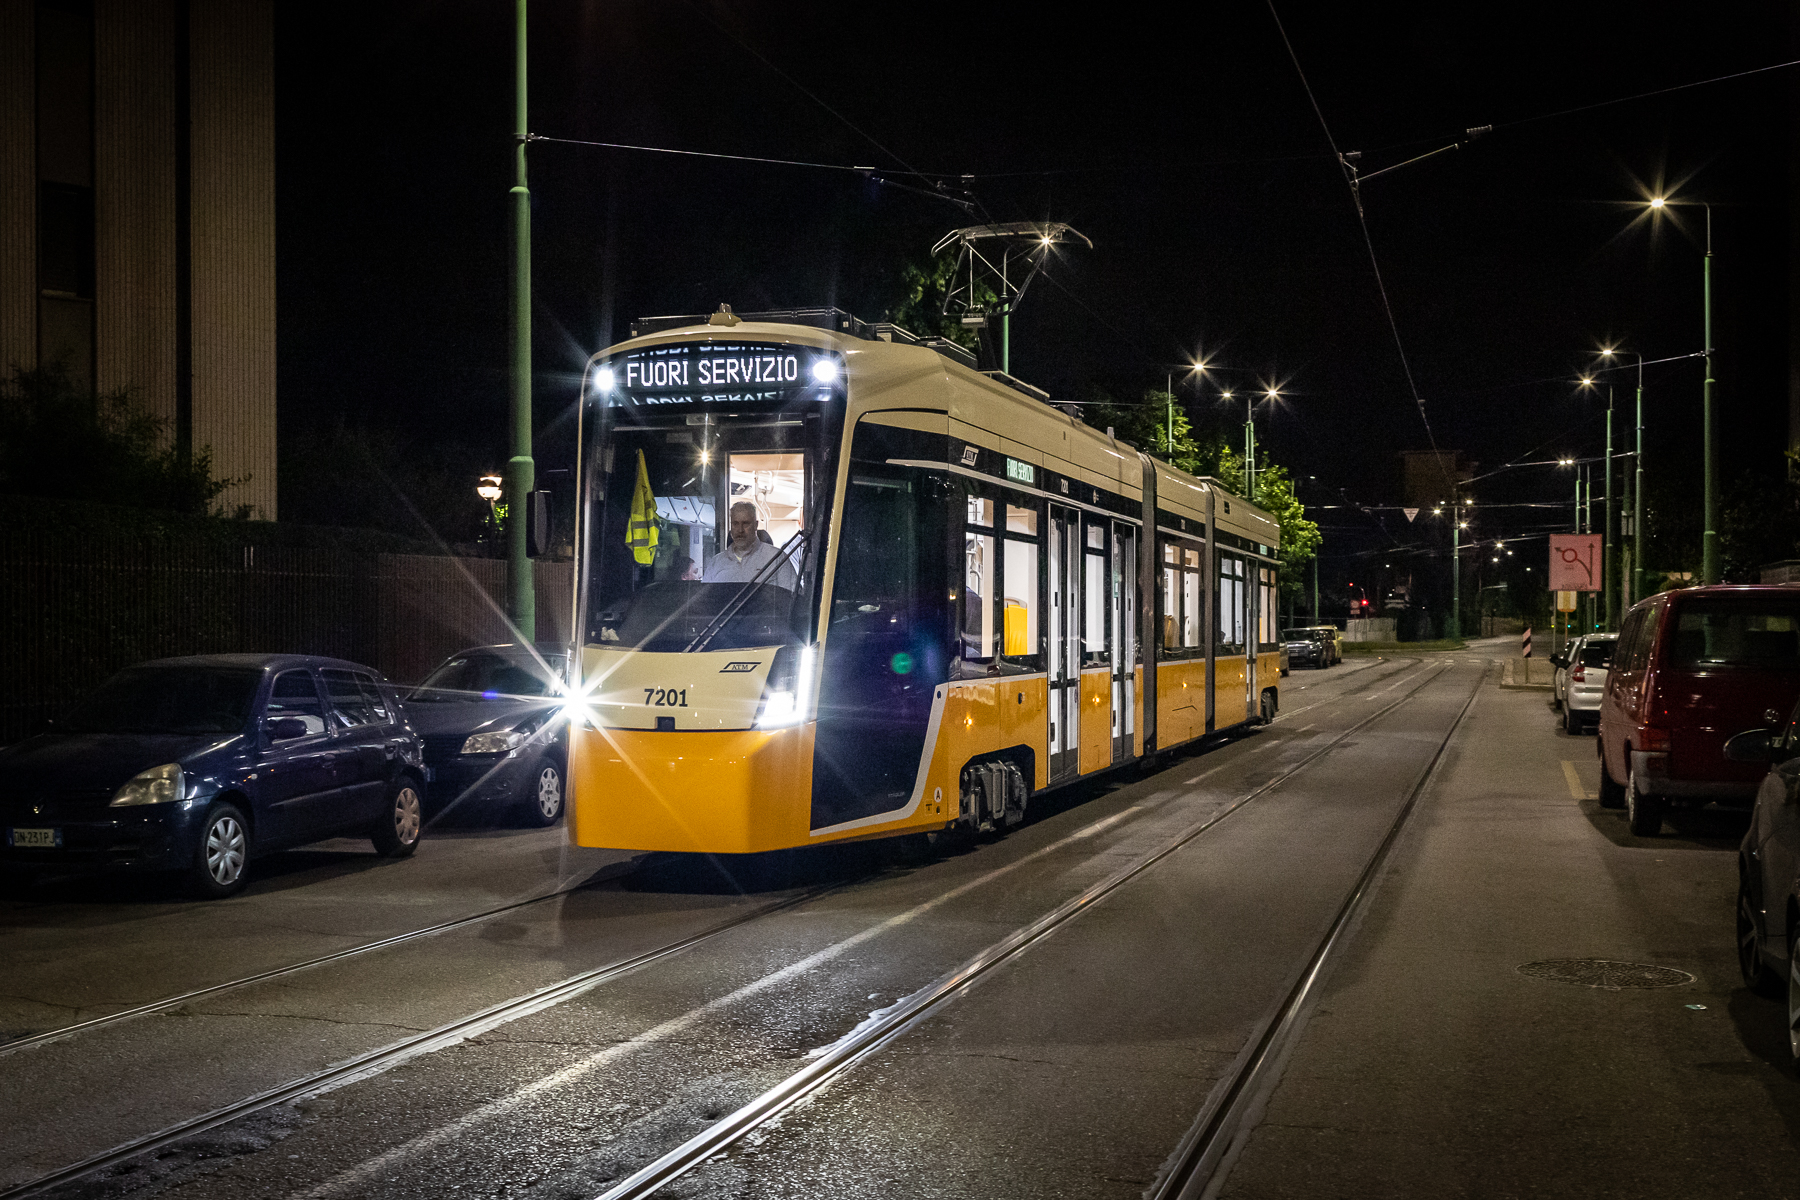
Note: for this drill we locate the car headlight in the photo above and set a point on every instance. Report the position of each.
(496, 742)
(158, 785)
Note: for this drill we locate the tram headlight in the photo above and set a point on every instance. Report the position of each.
(826, 370)
(604, 380)
(785, 695)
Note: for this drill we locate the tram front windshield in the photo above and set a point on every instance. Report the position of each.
(704, 514)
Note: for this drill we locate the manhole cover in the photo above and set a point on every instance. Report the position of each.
(1605, 973)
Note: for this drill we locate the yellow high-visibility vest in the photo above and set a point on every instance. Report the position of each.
(640, 530)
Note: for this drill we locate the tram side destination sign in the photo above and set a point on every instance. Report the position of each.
(1577, 563)
(705, 374)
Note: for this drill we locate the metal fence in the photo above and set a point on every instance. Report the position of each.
(76, 608)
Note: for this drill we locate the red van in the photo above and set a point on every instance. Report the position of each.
(1692, 668)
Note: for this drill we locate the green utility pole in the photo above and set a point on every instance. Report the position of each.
(1709, 544)
(1637, 498)
(1169, 429)
(1315, 587)
(1455, 623)
(1606, 540)
(521, 474)
(1006, 343)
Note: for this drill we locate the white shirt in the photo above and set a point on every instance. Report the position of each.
(732, 566)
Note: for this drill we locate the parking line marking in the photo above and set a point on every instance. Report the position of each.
(1576, 789)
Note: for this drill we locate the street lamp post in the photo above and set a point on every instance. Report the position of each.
(1456, 527)
(1709, 537)
(1709, 545)
(521, 596)
(1631, 586)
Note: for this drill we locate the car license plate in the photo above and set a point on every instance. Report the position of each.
(41, 838)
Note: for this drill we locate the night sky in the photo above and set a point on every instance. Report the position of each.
(1184, 146)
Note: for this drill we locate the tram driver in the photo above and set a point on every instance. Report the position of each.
(745, 555)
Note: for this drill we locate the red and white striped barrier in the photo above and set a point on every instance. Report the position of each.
(1526, 647)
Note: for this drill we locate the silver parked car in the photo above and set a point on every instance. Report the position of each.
(1580, 681)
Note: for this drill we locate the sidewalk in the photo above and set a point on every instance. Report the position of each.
(1432, 1066)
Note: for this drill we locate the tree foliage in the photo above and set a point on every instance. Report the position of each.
(62, 442)
(1162, 429)
(920, 308)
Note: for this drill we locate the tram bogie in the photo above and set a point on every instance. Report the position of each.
(834, 587)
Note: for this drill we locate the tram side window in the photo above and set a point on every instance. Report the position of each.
(1190, 599)
(1265, 610)
(1182, 602)
(1171, 590)
(1095, 606)
(979, 563)
(1228, 605)
(1019, 596)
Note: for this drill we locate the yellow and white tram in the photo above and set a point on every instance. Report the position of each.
(832, 582)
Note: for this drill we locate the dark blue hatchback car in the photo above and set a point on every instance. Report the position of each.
(490, 721)
(199, 764)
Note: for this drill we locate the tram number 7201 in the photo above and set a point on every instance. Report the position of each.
(666, 697)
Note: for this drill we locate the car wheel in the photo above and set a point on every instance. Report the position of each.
(396, 834)
(1757, 976)
(1793, 998)
(545, 804)
(1644, 813)
(1612, 794)
(221, 853)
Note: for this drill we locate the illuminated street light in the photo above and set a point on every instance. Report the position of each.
(1657, 202)
(489, 490)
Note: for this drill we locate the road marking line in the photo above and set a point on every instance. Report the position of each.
(352, 1178)
(1576, 788)
(1097, 826)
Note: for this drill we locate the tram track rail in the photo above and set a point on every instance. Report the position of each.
(895, 1022)
(838, 1059)
(165, 1004)
(391, 1055)
(31, 1041)
(1228, 1115)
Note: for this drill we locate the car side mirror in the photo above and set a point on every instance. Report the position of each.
(284, 728)
(1752, 746)
(1558, 661)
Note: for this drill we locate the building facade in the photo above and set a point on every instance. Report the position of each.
(137, 213)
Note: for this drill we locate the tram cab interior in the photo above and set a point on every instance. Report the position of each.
(956, 598)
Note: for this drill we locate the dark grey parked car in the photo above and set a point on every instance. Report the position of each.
(199, 764)
(1768, 906)
(491, 721)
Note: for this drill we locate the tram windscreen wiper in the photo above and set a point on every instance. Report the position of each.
(738, 598)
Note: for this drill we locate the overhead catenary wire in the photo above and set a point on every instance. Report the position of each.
(1362, 223)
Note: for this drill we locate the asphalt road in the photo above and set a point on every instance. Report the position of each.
(1427, 1065)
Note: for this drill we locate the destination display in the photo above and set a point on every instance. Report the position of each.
(718, 373)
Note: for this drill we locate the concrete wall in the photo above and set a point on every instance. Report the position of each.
(142, 332)
(1370, 629)
(18, 185)
(134, 201)
(233, 79)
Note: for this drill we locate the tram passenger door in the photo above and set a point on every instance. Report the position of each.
(1123, 598)
(1065, 646)
(1251, 616)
